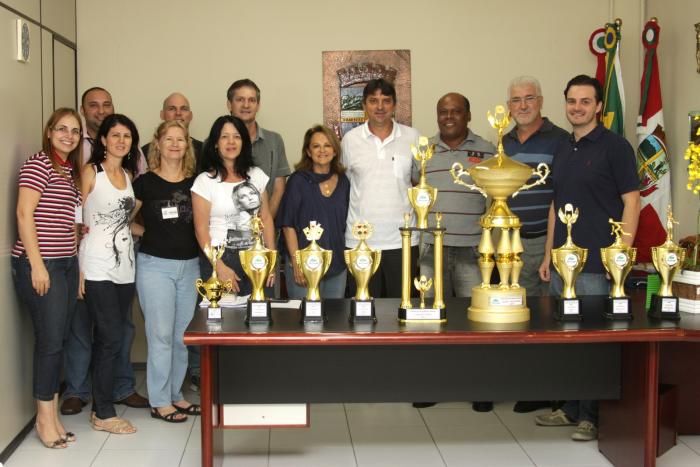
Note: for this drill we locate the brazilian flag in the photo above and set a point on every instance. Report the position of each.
(613, 115)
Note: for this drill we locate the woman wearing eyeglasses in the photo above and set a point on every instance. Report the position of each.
(44, 260)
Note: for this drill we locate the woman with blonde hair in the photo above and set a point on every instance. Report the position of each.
(167, 266)
(44, 259)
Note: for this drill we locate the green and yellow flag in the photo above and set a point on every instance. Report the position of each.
(613, 115)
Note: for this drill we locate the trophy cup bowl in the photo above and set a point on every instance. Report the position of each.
(618, 260)
(422, 199)
(213, 288)
(569, 263)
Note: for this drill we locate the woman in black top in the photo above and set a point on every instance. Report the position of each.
(167, 267)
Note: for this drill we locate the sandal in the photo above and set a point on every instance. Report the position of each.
(192, 409)
(60, 443)
(172, 417)
(116, 425)
(69, 437)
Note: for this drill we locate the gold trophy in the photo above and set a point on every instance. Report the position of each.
(499, 177)
(668, 259)
(407, 312)
(258, 263)
(422, 196)
(314, 262)
(618, 260)
(362, 263)
(569, 260)
(213, 288)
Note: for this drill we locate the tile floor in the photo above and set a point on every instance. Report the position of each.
(342, 435)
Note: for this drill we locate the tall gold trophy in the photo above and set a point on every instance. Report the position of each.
(314, 262)
(500, 177)
(569, 260)
(618, 260)
(258, 263)
(213, 288)
(422, 198)
(668, 259)
(362, 263)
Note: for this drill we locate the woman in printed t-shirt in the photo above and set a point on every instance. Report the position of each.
(225, 197)
(44, 260)
(167, 267)
(107, 257)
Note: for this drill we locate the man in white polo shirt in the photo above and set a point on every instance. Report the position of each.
(378, 159)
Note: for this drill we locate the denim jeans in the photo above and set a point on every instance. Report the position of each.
(168, 297)
(51, 315)
(460, 271)
(108, 304)
(79, 353)
(586, 284)
(532, 260)
(331, 286)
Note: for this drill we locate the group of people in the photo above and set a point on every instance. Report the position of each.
(90, 191)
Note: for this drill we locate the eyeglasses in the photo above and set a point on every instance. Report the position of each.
(64, 130)
(518, 100)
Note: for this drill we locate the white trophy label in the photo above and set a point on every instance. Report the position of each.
(671, 259)
(571, 307)
(620, 306)
(571, 260)
(363, 262)
(621, 260)
(313, 309)
(506, 301)
(313, 262)
(214, 313)
(423, 199)
(668, 305)
(363, 308)
(258, 309)
(258, 262)
(422, 314)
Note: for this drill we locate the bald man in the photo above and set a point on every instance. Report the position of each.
(177, 107)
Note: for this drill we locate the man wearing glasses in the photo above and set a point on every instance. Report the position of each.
(534, 139)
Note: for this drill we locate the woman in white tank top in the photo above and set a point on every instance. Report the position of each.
(107, 257)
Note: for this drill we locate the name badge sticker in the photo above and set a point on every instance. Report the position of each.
(169, 212)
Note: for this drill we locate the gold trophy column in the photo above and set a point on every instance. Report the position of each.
(406, 263)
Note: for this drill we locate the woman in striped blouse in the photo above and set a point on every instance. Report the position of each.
(44, 259)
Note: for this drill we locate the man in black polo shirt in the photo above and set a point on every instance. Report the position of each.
(595, 171)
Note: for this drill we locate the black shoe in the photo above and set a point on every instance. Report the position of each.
(482, 406)
(423, 405)
(72, 406)
(531, 406)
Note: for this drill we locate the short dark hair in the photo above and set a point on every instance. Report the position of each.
(211, 159)
(130, 162)
(385, 87)
(585, 80)
(242, 83)
(89, 90)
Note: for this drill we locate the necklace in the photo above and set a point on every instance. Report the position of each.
(325, 186)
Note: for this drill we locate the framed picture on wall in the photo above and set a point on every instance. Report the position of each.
(345, 74)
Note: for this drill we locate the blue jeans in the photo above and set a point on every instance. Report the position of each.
(168, 297)
(586, 284)
(108, 304)
(79, 353)
(331, 286)
(460, 271)
(532, 259)
(51, 315)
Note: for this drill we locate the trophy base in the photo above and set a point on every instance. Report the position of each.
(568, 309)
(362, 311)
(258, 312)
(214, 315)
(617, 308)
(664, 308)
(422, 315)
(494, 305)
(312, 311)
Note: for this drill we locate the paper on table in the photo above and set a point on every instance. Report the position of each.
(228, 300)
(293, 304)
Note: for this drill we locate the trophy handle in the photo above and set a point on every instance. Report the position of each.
(377, 261)
(542, 170)
(346, 256)
(457, 171)
(199, 285)
(227, 286)
(297, 258)
(329, 259)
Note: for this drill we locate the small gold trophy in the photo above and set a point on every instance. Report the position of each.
(258, 263)
(362, 263)
(213, 288)
(314, 262)
(500, 177)
(668, 259)
(422, 196)
(568, 260)
(618, 260)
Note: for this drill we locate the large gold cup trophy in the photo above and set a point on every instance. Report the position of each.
(362, 262)
(499, 177)
(618, 260)
(258, 263)
(569, 260)
(214, 287)
(668, 259)
(314, 262)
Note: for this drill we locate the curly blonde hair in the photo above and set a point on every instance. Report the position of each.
(188, 162)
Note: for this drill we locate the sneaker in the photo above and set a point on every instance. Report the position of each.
(482, 406)
(556, 418)
(585, 431)
(194, 383)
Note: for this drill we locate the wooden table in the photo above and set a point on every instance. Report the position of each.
(286, 361)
